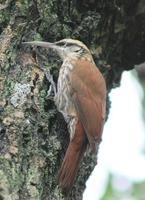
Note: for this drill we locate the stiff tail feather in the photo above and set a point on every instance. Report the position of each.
(74, 153)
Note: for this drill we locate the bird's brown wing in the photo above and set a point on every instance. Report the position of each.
(88, 94)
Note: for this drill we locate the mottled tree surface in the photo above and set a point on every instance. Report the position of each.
(33, 135)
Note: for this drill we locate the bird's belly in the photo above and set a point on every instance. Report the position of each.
(63, 99)
(64, 104)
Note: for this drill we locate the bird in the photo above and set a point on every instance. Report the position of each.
(81, 98)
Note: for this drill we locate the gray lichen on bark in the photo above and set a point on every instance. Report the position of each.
(33, 135)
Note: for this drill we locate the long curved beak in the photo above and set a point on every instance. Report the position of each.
(53, 46)
(42, 44)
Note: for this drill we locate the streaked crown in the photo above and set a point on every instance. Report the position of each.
(71, 48)
(71, 42)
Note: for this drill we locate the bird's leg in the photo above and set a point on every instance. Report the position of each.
(51, 93)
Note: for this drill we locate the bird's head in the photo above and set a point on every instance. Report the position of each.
(65, 48)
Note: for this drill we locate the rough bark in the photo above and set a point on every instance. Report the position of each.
(33, 135)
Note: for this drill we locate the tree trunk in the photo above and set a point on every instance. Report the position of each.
(33, 135)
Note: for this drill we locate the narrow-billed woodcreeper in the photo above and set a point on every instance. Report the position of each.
(81, 98)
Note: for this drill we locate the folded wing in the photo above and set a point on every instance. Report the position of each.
(89, 96)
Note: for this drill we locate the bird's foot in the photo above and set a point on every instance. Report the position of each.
(51, 93)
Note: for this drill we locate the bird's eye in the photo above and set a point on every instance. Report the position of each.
(76, 48)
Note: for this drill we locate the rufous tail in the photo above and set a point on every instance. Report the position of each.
(74, 153)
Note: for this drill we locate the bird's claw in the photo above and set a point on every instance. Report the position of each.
(51, 93)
